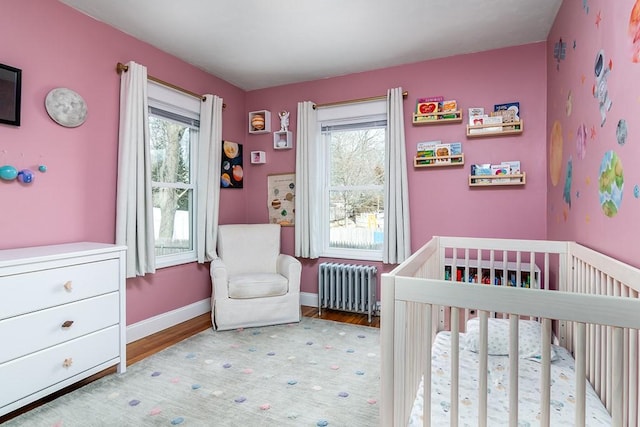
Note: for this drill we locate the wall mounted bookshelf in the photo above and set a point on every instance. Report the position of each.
(497, 180)
(438, 118)
(483, 131)
(441, 161)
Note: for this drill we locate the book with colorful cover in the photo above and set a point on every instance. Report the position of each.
(512, 106)
(426, 106)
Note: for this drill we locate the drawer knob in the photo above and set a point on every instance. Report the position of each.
(67, 362)
(67, 323)
(68, 286)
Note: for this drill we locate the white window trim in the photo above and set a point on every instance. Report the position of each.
(168, 99)
(344, 114)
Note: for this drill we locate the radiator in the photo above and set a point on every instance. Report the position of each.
(347, 287)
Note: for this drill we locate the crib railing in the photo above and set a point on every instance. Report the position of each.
(417, 303)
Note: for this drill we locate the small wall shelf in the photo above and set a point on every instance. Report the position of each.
(258, 157)
(433, 162)
(256, 125)
(282, 140)
(497, 180)
(481, 131)
(437, 118)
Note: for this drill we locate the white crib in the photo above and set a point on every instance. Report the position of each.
(585, 301)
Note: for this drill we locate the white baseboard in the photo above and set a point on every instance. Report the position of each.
(166, 320)
(308, 299)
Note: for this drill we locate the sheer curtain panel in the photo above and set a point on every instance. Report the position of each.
(134, 208)
(307, 223)
(397, 241)
(209, 160)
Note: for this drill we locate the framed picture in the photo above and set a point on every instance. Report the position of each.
(10, 89)
(232, 173)
(281, 198)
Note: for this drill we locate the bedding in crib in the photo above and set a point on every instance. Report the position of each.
(562, 395)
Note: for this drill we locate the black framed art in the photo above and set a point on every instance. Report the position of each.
(10, 91)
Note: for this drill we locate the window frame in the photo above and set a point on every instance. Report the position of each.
(163, 98)
(349, 114)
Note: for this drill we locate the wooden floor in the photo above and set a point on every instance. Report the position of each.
(147, 346)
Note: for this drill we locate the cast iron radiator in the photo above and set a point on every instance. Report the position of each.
(347, 287)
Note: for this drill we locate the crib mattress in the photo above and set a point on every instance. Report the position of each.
(562, 394)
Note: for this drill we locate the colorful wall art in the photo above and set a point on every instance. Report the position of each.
(281, 200)
(232, 174)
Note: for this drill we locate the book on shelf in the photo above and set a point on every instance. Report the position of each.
(426, 152)
(480, 169)
(443, 153)
(501, 170)
(449, 109)
(514, 169)
(428, 105)
(513, 107)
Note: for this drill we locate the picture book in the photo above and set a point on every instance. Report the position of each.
(514, 168)
(426, 152)
(512, 106)
(456, 150)
(474, 113)
(443, 153)
(500, 170)
(479, 170)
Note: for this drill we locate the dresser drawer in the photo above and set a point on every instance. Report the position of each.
(41, 329)
(27, 292)
(30, 374)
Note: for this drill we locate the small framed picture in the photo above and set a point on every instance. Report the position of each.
(10, 89)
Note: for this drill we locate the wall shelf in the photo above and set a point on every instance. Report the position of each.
(433, 162)
(282, 140)
(259, 121)
(482, 131)
(437, 118)
(497, 180)
(258, 157)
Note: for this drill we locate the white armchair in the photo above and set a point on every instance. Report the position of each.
(253, 284)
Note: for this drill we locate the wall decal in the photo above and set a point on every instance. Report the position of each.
(566, 194)
(585, 6)
(600, 87)
(621, 132)
(569, 104)
(555, 153)
(598, 19)
(559, 52)
(634, 31)
(610, 183)
(581, 141)
(636, 191)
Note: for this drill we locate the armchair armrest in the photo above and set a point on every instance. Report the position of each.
(219, 279)
(290, 268)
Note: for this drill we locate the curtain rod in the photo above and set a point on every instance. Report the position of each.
(120, 67)
(354, 101)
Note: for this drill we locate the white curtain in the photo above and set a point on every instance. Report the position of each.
(134, 208)
(209, 159)
(397, 242)
(308, 185)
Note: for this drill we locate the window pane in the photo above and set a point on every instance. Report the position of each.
(172, 220)
(170, 156)
(356, 157)
(356, 219)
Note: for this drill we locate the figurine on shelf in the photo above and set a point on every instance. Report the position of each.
(284, 120)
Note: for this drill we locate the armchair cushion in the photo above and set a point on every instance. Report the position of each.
(257, 285)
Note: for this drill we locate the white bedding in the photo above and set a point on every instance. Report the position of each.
(562, 398)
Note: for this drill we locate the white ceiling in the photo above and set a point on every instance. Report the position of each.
(255, 44)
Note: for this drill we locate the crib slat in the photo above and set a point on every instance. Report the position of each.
(426, 392)
(483, 375)
(455, 355)
(580, 369)
(513, 370)
(617, 377)
(545, 398)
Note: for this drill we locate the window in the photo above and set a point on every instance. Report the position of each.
(173, 135)
(353, 145)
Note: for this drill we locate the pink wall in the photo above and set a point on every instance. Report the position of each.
(574, 205)
(441, 201)
(74, 200)
(55, 46)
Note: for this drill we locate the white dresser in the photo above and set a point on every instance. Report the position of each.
(62, 318)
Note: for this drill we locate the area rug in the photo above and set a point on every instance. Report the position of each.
(314, 373)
